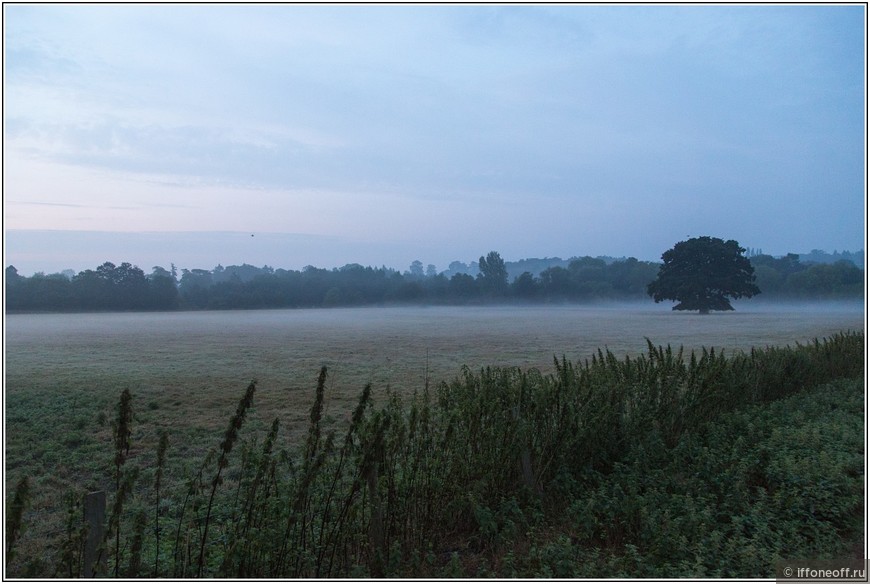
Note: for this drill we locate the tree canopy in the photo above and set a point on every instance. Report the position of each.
(547, 280)
(702, 273)
(493, 274)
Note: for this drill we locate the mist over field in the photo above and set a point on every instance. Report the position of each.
(387, 345)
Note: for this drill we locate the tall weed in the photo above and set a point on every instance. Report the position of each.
(465, 472)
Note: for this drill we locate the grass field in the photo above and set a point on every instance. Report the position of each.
(186, 371)
(191, 366)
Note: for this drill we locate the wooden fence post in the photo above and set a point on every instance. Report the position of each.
(95, 515)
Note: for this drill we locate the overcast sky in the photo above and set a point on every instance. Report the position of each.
(385, 134)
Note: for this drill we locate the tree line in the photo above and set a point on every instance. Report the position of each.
(580, 279)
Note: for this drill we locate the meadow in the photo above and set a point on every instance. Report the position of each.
(186, 371)
(190, 365)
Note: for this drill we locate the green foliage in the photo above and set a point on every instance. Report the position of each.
(162, 447)
(493, 274)
(658, 466)
(123, 484)
(20, 500)
(226, 448)
(72, 548)
(121, 429)
(763, 483)
(702, 273)
(109, 287)
(577, 279)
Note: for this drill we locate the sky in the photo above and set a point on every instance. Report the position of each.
(294, 135)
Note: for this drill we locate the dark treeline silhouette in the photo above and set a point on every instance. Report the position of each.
(490, 280)
(819, 256)
(788, 277)
(109, 287)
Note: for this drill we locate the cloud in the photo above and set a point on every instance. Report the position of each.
(370, 117)
(46, 204)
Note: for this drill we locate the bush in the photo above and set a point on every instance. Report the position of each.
(779, 481)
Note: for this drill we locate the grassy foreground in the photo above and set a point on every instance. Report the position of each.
(657, 466)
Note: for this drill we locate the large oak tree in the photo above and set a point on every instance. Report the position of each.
(702, 273)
